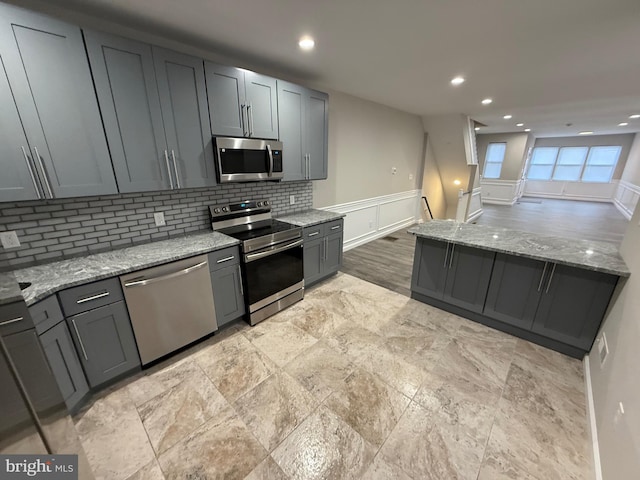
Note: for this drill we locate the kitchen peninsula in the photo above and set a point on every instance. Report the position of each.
(549, 290)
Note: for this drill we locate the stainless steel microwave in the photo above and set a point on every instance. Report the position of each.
(248, 159)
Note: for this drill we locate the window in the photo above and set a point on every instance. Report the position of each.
(574, 164)
(569, 164)
(493, 160)
(542, 162)
(601, 163)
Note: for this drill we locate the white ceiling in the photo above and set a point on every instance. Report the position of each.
(547, 62)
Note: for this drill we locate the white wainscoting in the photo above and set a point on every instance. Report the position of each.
(626, 199)
(376, 217)
(500, 192)
(593, 192)
(475, 204)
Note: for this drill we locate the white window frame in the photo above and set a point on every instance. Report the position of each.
(487, 162)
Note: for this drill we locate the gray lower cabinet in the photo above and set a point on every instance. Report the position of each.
(58, 148)
(226, 282)
(241, 103)
(322, 254)
(303, 126)
(104, 339)
(65, 365)
(430, 267)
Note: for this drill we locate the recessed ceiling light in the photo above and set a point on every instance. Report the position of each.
(586, 132)
(623, 124)
(457, 182)
(527, 129)
(508, 117)
(457, 81)
(306, 43)
(634, 116)
(519, 124)
(477, 128)
(487, 101)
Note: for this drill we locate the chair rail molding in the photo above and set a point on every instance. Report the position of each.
(626, 198)
(375, 217)
(500, 192)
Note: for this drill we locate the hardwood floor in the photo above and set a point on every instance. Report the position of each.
(388, 261)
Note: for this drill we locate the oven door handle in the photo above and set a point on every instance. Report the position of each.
(272, 251)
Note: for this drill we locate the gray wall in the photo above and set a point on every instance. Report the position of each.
(431, 183)
(514, 156)
(624, 140)
(617, 379)
(631, 172)
(50, 230)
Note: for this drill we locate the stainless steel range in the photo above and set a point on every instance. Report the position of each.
(272, 258)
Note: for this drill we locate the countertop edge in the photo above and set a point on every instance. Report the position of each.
(327, 216)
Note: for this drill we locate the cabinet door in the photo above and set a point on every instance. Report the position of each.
(515, 289)
(262, 105)
(573, 305)
(317, 134)
(104, 340)
(183, 99)
(468, 277)
(66, 368)
(429, 267)
(292, 125)
(227, 294)
(333, 253)
(313, 256)
(18, 180)
(128, 94)
(50, 78)
(226, 94)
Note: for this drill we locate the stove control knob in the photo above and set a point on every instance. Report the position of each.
(225, 209)
(259, 204)
(216, 210)
(266, 203)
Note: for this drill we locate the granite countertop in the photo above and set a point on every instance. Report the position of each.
(591, 255)
(9, 290)
(49, 278)
(311, 217)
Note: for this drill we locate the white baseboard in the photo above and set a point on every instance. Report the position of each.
(372, 218)
(593, 428)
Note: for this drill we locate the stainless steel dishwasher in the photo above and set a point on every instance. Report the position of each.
(170, 306)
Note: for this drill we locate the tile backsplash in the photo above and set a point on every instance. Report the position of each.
(50, 230)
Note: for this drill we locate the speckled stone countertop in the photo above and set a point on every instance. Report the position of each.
(49, 278)
(591, 255)
(311, 217)
(9, 290)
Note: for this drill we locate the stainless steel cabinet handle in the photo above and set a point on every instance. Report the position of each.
(179, 273)
(313, 234)
(13, 320)
(308, 166)
(335, 227)
(33, 176)
(240, 280)
(542, 277)
(250, 117)
(553, 270)
(272, 251)
(94, 297)
(166, 159)
(75, 327)
(243, 123)
(453, 246)
(446, 255)
(326, 248)
(226, 259)
(175, 168)
(44, 172)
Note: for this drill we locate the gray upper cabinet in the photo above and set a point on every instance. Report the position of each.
(183, 99)
(303, 126)
(125, 82)
(241, 103)
(46, 66)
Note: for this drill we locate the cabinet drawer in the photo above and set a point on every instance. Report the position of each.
(314, 232)
(333, 227)
(223, 258)
(93, 295)
(46, 314)
(14, 317)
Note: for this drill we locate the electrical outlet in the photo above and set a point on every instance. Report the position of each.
(394, 170)
(411, 176)
(603, 349)
(292, 199)
(9, 239)
(159, 219)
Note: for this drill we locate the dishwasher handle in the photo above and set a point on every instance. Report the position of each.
(179, 273)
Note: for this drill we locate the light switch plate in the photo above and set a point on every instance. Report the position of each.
(9, 239)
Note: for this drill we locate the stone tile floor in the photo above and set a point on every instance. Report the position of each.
(355, 381)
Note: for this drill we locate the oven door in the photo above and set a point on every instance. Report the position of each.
(248, 160)
(272, 273)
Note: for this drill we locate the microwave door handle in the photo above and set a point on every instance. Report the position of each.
(270, 159)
